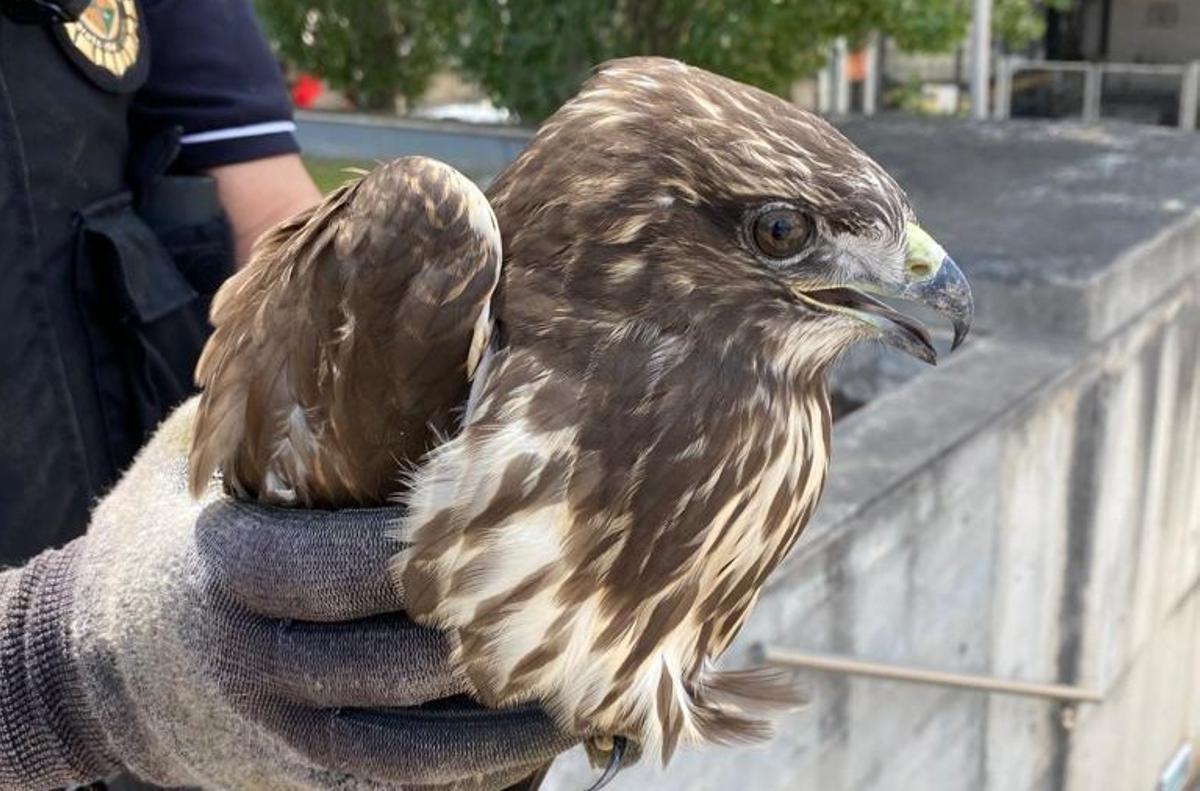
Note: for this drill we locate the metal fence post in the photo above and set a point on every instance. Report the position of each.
(1002, 107)
(825, 89)
(1091, 93)
(1189, 96)
(841, 101)
(871, 83)
(981, 57)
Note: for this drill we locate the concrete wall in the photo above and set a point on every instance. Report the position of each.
(1154, 31)
(1030, 510)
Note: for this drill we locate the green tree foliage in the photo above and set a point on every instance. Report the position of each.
(1020, 22)
(372, 50)
(531, 55)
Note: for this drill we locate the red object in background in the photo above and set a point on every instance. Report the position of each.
(857, 68)
(305, 91)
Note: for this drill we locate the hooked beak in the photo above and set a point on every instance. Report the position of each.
(930, 278)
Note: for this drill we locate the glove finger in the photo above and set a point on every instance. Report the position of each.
(383, 661)
(433, 745)
(506, 779)
(303, 564)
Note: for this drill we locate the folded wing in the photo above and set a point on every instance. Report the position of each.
(344, 349)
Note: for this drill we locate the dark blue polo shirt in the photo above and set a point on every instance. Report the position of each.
(213, 74)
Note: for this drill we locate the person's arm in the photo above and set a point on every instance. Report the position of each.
(261, 193)
(215, 79)
(48, 736)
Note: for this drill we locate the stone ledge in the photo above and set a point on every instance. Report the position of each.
(1064, 230)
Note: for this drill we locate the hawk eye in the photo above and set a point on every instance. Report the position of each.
(781, 232)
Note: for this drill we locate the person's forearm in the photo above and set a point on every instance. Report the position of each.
(259, 194)
(48, 738)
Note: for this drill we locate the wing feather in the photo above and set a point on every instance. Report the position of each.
(341, 352)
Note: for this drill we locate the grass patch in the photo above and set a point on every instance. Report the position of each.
(332, 173)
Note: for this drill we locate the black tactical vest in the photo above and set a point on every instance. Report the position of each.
(102, 316)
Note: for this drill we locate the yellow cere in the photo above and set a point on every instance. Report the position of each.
(925, 255)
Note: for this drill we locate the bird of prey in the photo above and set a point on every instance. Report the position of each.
(600, 390)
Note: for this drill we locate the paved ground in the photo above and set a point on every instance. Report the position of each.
(1047, 201)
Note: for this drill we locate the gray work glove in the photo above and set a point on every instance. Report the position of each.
(220, 644)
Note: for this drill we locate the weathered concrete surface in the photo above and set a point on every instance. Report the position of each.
(1029, 510)
(479, 151)
(1064, 229)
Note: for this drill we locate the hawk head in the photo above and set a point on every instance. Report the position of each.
(670, 195)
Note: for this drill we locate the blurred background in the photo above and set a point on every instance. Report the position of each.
(1001, 589)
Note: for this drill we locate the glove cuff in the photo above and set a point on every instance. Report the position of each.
(48, 735)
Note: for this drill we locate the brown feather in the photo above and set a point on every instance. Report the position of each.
(341, 350)
(756, 688)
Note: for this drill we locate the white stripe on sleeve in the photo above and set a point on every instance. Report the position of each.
(236, 132)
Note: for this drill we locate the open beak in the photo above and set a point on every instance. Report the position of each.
(930, 278)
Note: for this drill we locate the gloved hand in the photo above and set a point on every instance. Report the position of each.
(221, 644)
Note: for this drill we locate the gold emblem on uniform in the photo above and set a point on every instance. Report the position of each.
(107, 34)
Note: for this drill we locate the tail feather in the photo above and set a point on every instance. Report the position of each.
(737, 707)
(728, 707)
(764, 689)
(729, 727)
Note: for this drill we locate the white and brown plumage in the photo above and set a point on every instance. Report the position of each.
(648, 432)
(343, 351)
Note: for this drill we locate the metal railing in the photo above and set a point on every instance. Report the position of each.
(856, 667)
(1093, 83)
